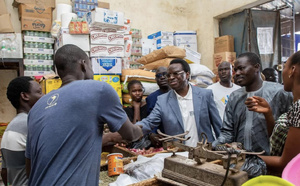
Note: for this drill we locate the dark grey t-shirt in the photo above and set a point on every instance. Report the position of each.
(65, 133)
(13, 147)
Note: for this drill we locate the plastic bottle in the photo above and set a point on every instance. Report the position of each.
(72, 26)
(78, 28)
(85, 28)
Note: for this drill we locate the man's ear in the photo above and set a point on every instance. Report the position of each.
(82, 65)
(188, 74)
(24, 96)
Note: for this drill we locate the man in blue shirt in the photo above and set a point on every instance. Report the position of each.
(65, 127)
(162, 82)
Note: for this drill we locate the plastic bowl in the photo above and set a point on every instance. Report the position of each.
(291, 171)
(267, 180)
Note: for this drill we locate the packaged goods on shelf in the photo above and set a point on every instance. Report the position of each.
(103, 17)
(78, 26)
(36, 15)
(186, 39)
(104, 65)
(110, 38)
(48, 85)
(107, 50)
(224, 44)
(163, 39)
(224, 56)
(40, 72)
(82, 7)
(148, 46)
(11, 45)
(113, 80)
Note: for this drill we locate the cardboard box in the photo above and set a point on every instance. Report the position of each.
(107, 65)
(35, 18)
(50, 84)
(148, 46)
(37, 62)
(38, 51)
(163, 39)
(113, 80)
(224, 56)
(37, 73)
(44, 3)
(186, 39)
(38, 39)
(109, 38)
(107, 51)
(101, 17)
(224, 44)
(5, 24)
(192, 56)
(82, 41)
(3, 9)
(103, 5)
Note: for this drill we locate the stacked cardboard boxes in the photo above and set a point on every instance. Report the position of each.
(35, 15)
(223, 51)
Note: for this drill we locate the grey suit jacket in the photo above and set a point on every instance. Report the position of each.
(167, 113)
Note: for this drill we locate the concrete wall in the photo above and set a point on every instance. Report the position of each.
(7, 111)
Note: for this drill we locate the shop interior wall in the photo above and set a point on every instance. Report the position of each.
(171, 15)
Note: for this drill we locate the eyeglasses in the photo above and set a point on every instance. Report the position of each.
(159, 75)
(175, 74)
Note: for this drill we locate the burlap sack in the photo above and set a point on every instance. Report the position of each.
(141, 75)
(156, 64)
(166, 52)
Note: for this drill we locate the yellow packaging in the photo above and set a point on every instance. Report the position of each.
(110, 79)
(113, 80)
(50, 84)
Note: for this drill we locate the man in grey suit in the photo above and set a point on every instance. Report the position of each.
(185, 108)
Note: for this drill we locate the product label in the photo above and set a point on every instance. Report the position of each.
(113, 37)
(114, 49)
(39, 10)
(38, 24)
(96, 49)
(98, 36)
(107, 64)
(110, 18)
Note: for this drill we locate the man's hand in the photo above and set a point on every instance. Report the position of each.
(258, 104)
(112, 137)
(155, 139)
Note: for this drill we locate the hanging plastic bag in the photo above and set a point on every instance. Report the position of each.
(254, 166)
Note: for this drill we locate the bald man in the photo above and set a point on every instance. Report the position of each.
(224, 87)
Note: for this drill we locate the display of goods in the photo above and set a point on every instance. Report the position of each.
(151, 150)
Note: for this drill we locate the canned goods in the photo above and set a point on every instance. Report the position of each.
(115, 164)
(34, 68)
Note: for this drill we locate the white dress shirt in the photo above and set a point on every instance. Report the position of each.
(187, 112)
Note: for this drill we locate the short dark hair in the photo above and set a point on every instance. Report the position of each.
(252, 58)
(15, 87)
(184, 64)
(295, 58)
(133, 82)
(67, 56)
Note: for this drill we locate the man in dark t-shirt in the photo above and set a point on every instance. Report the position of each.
(65, 127)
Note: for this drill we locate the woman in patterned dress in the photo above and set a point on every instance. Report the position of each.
(291, 145)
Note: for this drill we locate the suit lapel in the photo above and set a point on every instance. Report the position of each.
(173, 103)
(197, 104)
